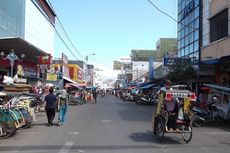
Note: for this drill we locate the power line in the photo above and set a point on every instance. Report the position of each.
(62, 27)
(65, 44)
(168, 15)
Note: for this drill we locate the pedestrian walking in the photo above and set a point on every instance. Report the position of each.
(63, 107)
(95, 95)
(50, 105)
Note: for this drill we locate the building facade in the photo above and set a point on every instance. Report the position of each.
(166, 46)
(189, 29)
(27, 27)
(216, 41)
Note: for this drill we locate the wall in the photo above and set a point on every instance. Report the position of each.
(205, 23)
(38, 30)
(139, 68)
(12, 18)
(216, 49)
(217, 6)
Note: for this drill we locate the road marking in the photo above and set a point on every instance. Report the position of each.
(81, 151)
(218, 133)
(163, 149)
(106, 121)
(75, 132)
(66, 147)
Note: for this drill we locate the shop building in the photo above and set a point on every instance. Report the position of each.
(216, 43)
(27, 27)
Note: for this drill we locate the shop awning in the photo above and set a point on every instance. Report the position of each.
(147, 86)
(129, 88)
(68, 80)
(21, 46)
(219, 89)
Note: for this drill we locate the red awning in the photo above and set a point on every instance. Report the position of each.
(76, 84)
(129, 88)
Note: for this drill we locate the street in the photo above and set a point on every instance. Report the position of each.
(111, 126)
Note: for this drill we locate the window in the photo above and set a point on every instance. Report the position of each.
(197, 12)
(191, 48)
(186, 50)
(219, 26)
(196, 34)
(196, 45)
(191, 38)
(196, 23)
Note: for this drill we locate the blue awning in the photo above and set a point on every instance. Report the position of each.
(147, 86)
(210, 62)
(218, 88)
(144, 84)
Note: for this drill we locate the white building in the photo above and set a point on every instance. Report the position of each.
(27, 27)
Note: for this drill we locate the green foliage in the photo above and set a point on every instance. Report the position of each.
(180, 72)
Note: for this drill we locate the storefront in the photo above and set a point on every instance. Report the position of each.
(28, 64)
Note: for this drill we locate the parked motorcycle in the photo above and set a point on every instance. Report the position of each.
(202, 116)
(146, 99)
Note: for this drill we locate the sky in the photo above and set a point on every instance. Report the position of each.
(111, 28)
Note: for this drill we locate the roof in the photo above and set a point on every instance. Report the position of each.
(21, 46)
(218, 88)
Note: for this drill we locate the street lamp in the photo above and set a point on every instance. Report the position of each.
(12, 57)
(87, 57)
(86, 60)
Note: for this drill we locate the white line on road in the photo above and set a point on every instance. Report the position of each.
(66, 147)
(105, 121)
(216, 133)
(75, 132)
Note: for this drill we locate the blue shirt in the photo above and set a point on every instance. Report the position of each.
(51, 100)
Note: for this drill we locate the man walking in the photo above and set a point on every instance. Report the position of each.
(95, 95)
(63, 106)
(50, 105)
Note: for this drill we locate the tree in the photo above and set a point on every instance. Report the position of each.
(181, 72)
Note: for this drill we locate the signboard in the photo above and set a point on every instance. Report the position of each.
(44, 59)
(65, 68)
(173, 61)
(117, 65)
(51, 77)
(79, 73)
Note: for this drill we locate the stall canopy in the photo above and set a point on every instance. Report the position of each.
(77, 85)
(21, 46)
(147, 86)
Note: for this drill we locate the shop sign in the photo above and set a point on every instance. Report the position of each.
(65, 68)
(51, 77)
(173, 61)
(79, 74)
(22, 80)
(45, 59)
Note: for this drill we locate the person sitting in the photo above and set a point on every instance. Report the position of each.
(172, 110)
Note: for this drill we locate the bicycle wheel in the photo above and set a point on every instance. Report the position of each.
(7, 124)
(219, 116)
(186, 133)
(27, 117)
(196, 121)
(20, 117)
(160, 128)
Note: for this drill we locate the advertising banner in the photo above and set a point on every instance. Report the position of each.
(65, 68)
(51, 77)
(44, 59)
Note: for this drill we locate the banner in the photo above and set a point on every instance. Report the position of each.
(51, 77)
(151, 69)
(44, 59)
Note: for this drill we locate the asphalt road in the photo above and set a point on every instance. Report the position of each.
(111, 126)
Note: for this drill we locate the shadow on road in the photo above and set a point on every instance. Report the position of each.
(150, 137)
(130, 115)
